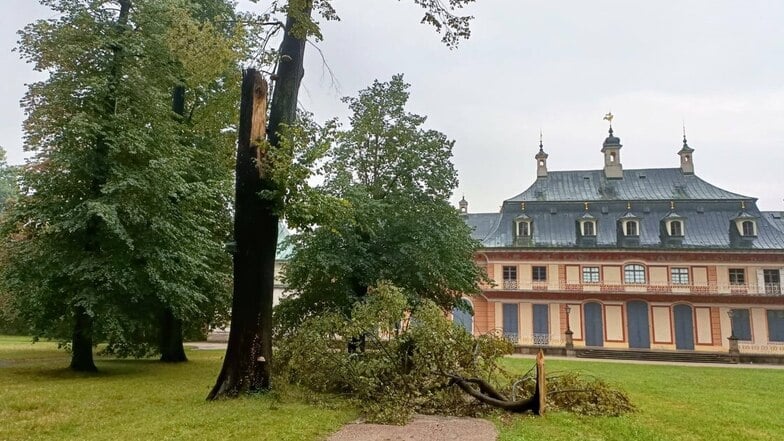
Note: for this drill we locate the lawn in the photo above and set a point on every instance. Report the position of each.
(675, 403)
(132, 399)
(145, 400)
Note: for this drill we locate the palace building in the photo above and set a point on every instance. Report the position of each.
(648, 259)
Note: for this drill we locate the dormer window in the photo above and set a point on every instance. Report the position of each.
(586, 229)
(523, 226)
(675, 228)
(632, 228)
(589, 228)
(748, 228)
(745, 229)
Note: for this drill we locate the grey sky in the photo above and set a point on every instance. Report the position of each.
(558, 66)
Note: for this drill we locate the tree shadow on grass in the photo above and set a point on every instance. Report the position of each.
(42, 369)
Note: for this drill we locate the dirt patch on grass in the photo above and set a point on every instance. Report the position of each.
(430, 428)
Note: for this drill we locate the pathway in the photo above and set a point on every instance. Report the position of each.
(421, 427)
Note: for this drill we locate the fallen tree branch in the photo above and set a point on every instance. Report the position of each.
(489, 396)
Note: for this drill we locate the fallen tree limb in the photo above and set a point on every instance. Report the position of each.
(490, 397)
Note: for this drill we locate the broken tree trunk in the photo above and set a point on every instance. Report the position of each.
(246, 366)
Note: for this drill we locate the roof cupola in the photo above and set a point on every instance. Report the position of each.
(541, 160)
(612, 153)
(687, 159)
(463, 205)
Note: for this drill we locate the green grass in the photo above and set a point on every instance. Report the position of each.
(674, 403)
(143, 399)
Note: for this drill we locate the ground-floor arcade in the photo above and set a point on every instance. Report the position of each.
(693, 323)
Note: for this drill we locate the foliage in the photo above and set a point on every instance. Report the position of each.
(383, 215)
(410, 359)
(124, 204)
(8, 180)
(578, 393)
(440, 15)
(10, 321)
(403, 369)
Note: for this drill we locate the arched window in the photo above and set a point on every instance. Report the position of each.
(523, 229)
(634, 274)
(631, 228)
(676, 228)
(589, 229)
(748, 228)
(463, 317)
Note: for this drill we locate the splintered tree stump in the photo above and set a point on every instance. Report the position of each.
(246, 367)
(258, 125)
(541, 383)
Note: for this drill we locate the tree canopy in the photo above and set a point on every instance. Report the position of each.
(124, 206)
(391, 177)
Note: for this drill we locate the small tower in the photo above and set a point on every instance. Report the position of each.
(687, 159)
(463, 204)
(541, 160)
(612, 156)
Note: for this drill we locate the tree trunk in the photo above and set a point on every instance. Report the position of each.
(82, 339)
(170, 332)
(82, 342)
(170, 344)
(247, 365)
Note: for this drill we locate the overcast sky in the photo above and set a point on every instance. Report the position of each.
(558, 66)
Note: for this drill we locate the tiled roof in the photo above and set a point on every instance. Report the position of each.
(482, 224)
(636, 185)
(555, 204)
(554, 225)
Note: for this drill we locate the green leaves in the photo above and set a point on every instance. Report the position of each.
(124, 209)
(381, 214)
(407, 358)
(387, 151)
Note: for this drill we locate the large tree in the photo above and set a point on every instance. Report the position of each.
(393, 178)
(246, 367)
(124, 202)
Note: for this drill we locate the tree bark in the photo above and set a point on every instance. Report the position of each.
(82, 342)
(488, 395)
(170, 339)
(247, 365)
(170, 333)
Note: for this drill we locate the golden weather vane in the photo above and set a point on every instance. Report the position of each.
(609, 117)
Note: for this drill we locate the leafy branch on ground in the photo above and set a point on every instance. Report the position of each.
(411, 360)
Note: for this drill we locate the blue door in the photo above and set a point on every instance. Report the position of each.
(541, 325)
(510, 317)
(637, 325)
(684, 327)
(463, 319)
(594, 326)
